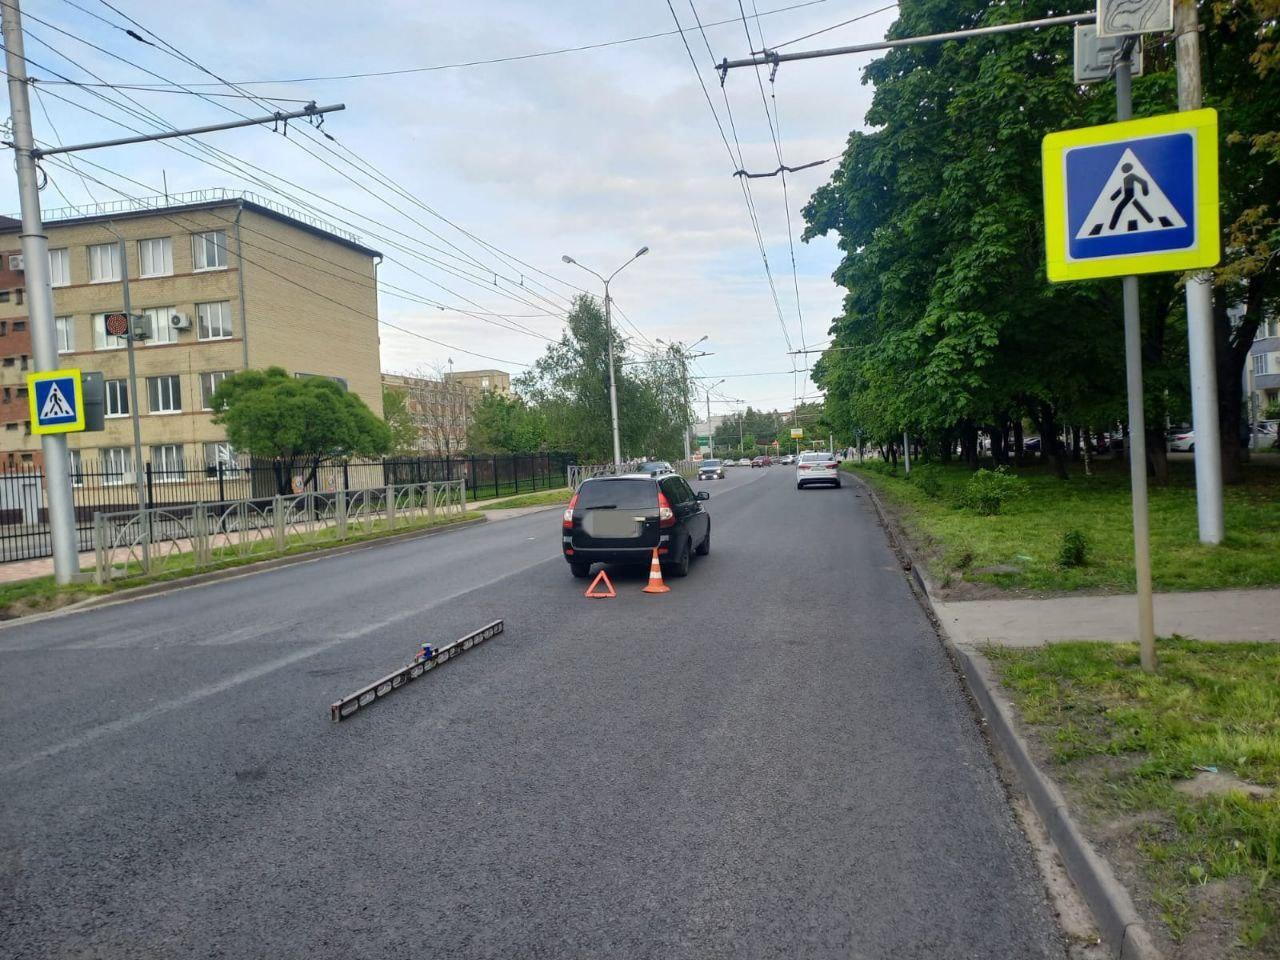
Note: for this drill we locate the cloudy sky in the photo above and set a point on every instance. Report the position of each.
(590, 153)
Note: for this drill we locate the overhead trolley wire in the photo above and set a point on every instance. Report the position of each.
(737, 163)
(450, 66)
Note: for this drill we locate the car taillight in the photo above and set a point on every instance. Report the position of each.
(666, 516)
(803, 466)
(568, 512)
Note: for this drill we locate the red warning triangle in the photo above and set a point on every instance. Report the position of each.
(601, 596)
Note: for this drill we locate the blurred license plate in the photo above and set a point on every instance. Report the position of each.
(610, 524)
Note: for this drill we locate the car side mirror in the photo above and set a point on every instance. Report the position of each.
(703, 495)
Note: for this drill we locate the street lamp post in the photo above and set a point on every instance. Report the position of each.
(608, 326)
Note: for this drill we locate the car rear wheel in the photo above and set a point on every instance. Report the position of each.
(681, 567)
(580, 570)
(705, 546)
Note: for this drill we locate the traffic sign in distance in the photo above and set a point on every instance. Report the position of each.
(1119, 17)
(56, 401)
(1134, 197)
(116, 324)
(1096, 56)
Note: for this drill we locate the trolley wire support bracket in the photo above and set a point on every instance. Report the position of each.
(353, 702)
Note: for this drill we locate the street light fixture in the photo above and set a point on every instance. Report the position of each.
(608, 326)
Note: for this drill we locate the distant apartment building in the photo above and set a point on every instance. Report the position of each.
(1262, 369)
(219, 283)
(483, 381)
(442, 409)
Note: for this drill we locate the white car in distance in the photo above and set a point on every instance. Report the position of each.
(817, 468)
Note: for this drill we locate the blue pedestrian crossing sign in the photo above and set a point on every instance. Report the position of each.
(56, 401)
(1140, 196)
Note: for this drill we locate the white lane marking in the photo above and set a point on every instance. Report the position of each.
(94, 734)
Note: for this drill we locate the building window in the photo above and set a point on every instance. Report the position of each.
(100, 339)
(117, 398)
(164, 394)
(12, 426)
(77, 468)
(4, 327)
(104, 262)
(19, 326)
(60, 267)
(1260, 363)
(65, 333)
(220, 453)
(117, 465)
(166, 463)
(155, 257)
(209, 250)
(155, 320)
(208, 384)
(215, 320)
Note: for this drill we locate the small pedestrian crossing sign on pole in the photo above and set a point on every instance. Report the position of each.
(56, 401)
(1139, 196)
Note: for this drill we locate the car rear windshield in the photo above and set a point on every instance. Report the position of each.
(710, 463)
(622, 494)
(813, 457)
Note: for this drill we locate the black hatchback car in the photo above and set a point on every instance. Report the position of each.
(622, 519)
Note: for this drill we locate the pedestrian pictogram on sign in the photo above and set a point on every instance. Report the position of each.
(56, 401)
(55, 406)
(1139, 196)
(1130, 202)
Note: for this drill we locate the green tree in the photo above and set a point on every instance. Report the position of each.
(296, 422)
(506, 425)
(569, 386)
(399, 419)
(950, 325)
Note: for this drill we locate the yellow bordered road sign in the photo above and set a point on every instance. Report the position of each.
(56, 401)
(1140, 196)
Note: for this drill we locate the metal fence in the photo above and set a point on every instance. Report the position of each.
(191, 537)
(104, 486)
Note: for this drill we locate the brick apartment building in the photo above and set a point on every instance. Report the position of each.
(221, 283)
(442, 408)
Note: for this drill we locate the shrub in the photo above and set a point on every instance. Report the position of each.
(928, 482)
(1074, 551)
(988, 490)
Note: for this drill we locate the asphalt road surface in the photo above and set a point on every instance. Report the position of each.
(773, 760)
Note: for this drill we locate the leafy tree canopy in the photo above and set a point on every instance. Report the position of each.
(297, 421)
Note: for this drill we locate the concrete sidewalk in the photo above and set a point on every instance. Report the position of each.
(1216, 615)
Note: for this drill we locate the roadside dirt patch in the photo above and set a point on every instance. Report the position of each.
(1211, 783)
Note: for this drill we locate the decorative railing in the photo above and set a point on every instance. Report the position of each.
(197, 536)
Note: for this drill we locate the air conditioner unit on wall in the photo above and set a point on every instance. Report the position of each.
(16, 264)
(180, 321)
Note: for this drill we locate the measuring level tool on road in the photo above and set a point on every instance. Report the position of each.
(348, 705)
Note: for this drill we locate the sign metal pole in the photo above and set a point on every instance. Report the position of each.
(1137, 416)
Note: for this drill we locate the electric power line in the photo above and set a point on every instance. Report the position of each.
(448, 66)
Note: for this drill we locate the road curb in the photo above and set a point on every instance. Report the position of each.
(231, 573)
(1122, 928)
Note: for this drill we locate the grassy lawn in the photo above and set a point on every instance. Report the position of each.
(1027, 533)
(545, 498)
(1120, 741)
(39, 594)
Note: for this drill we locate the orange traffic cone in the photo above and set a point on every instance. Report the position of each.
(608, 586)
(655, 584)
